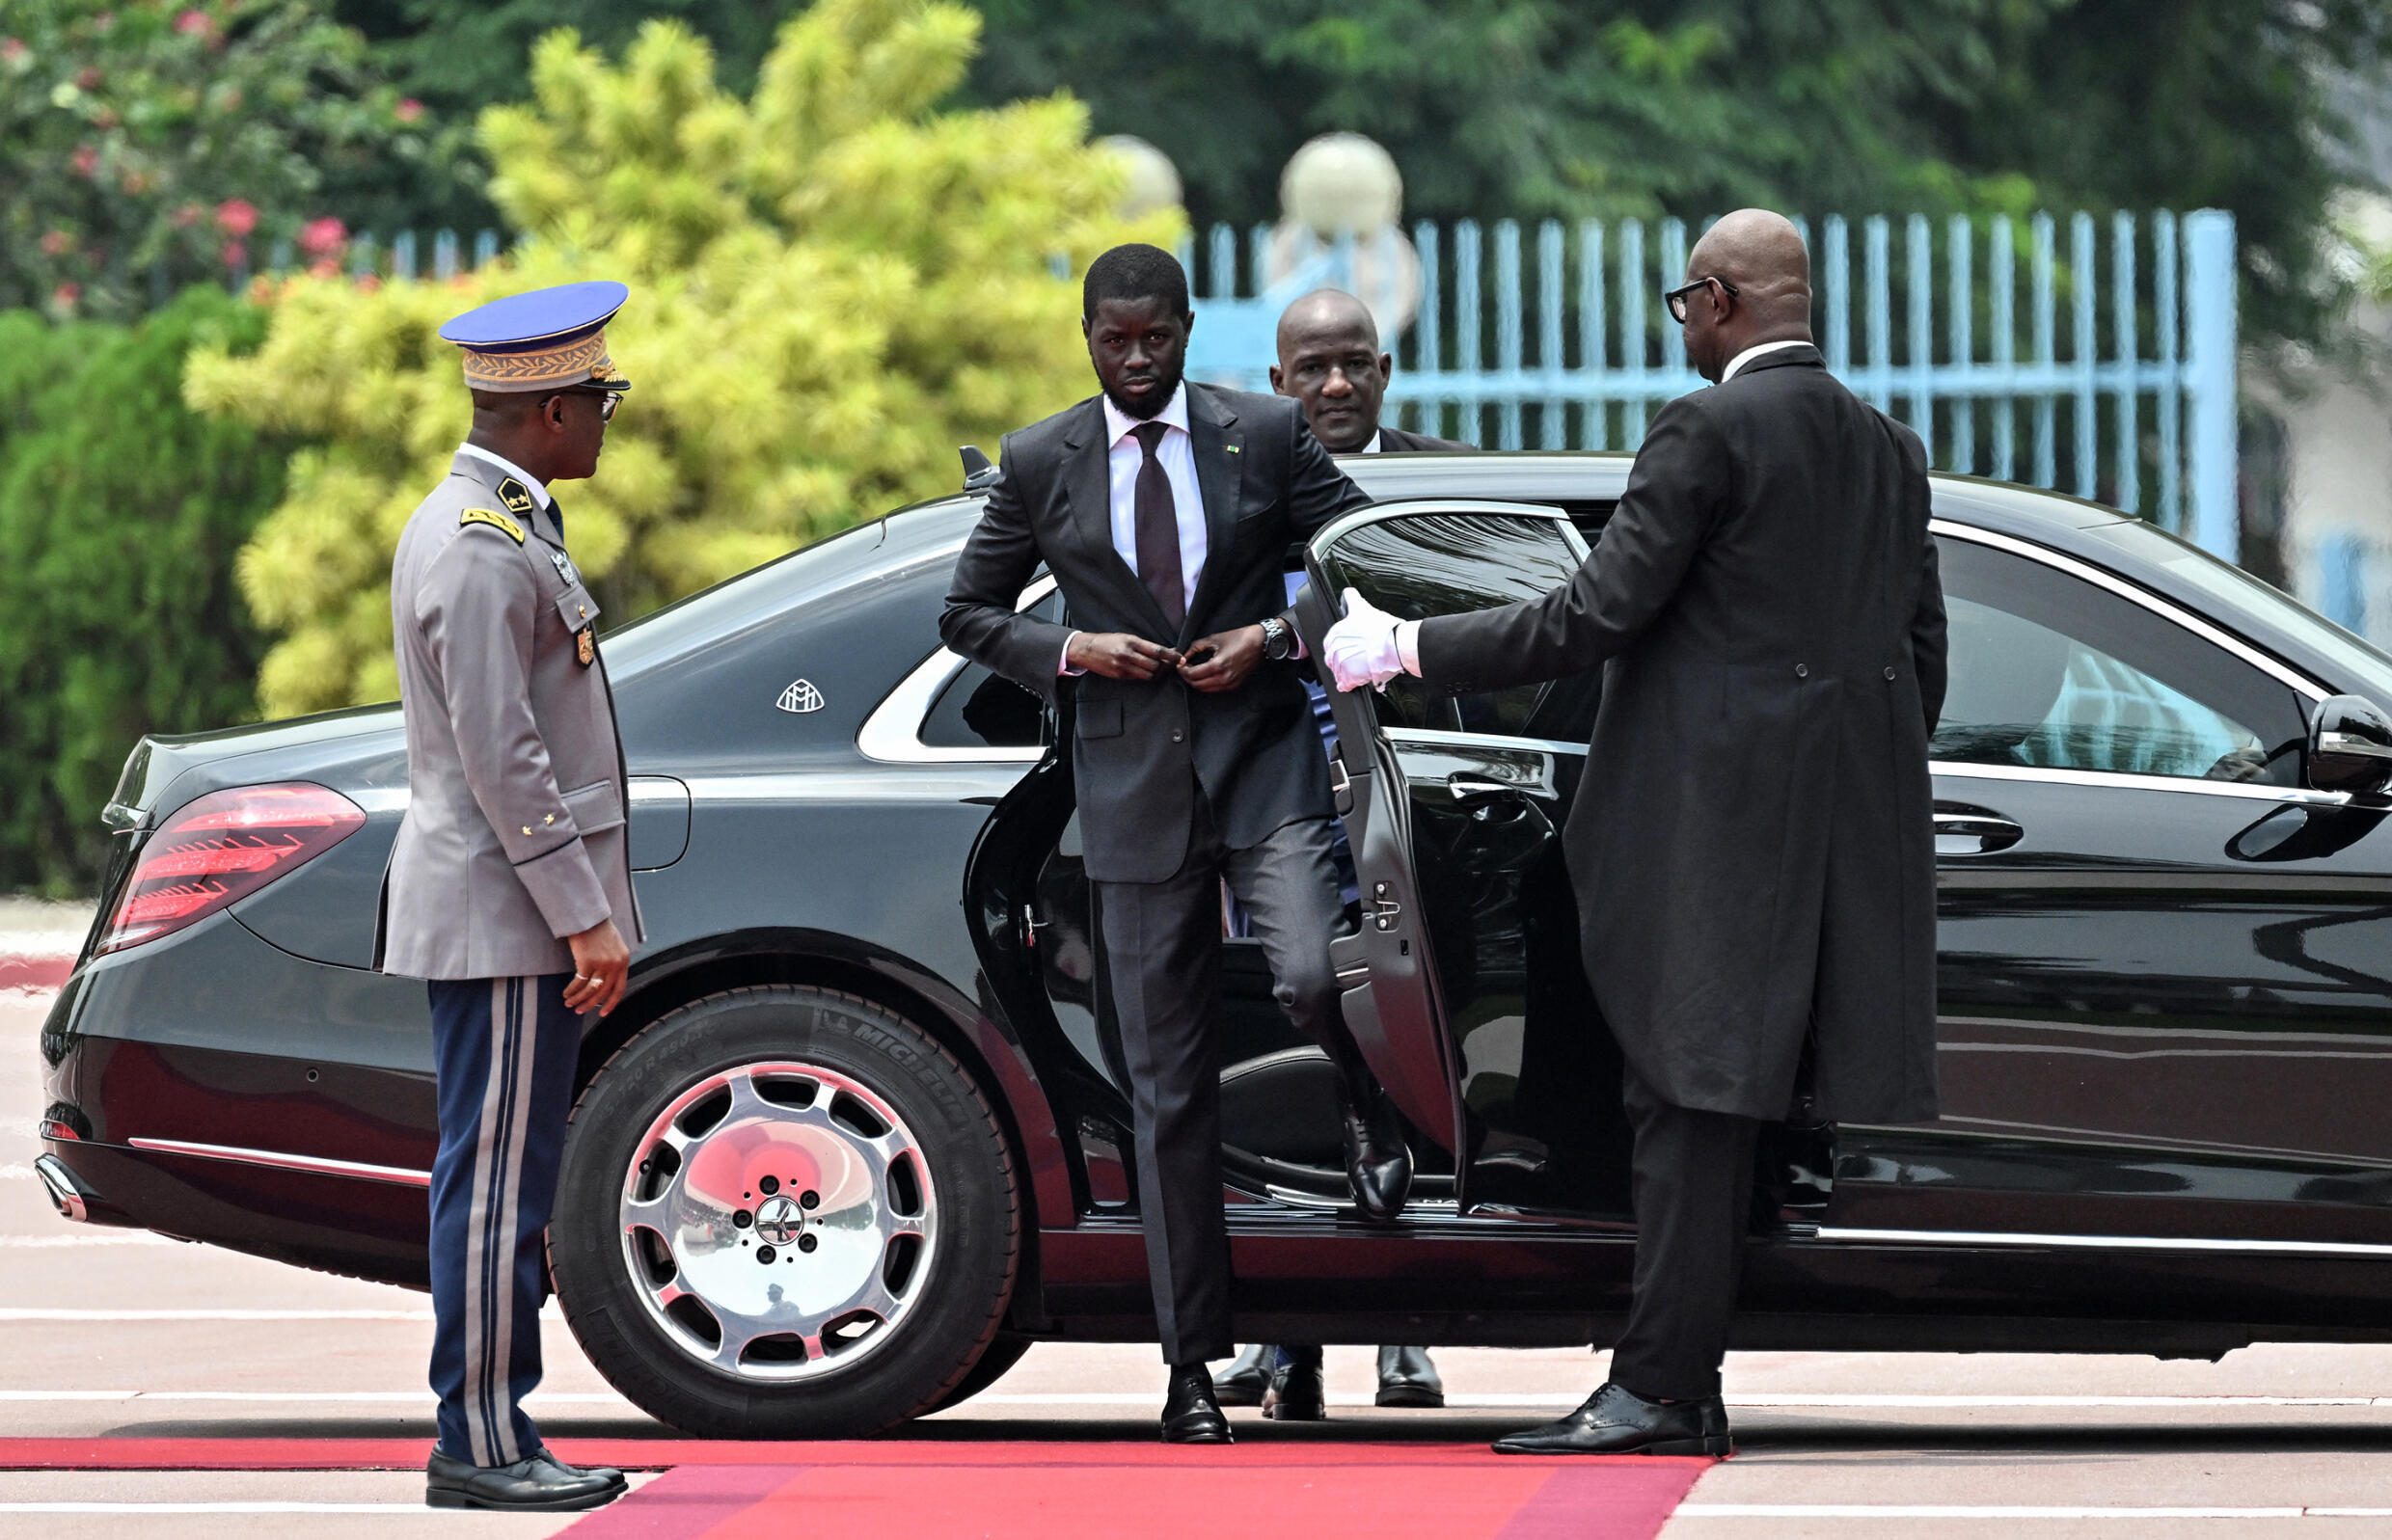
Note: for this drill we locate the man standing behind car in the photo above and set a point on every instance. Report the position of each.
(1753, 849)
(1330, 361)
(1165, 510)
(509, 889)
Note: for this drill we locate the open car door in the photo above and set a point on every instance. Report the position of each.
(1416, 560)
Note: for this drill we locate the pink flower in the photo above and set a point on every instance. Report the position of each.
(57, 242)
(237, 216)
(85, 160)
(235, 252)
(64, 296)
(408, 110)
(138, 182)
(323, 237)
(187, 216)
(324, 267)
(13, 51)
(369, 281)
(88, 78)
(195, 23)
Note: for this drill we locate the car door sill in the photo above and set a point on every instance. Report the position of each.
(2122, 1243)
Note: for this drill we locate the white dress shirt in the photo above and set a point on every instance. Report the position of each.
(1752, 353)
(531, 483)
(1177, 454)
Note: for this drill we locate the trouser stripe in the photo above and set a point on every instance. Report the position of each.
(523, 1044)
(488, 1248)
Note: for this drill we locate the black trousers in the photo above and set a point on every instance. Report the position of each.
(1691, 1186)
(1162, 944)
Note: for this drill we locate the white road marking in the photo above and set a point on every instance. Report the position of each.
(1766, 1400)
(131, 1509)
(1891, 1510)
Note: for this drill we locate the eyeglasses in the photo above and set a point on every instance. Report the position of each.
(608, 402)
(1675, 299)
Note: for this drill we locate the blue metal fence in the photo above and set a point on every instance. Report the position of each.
(1580, 354)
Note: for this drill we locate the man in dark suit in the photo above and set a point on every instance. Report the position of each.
(1330, 361)
(1164, 510)
(1752, 847)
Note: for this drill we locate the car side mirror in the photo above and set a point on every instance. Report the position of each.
(2349, 745)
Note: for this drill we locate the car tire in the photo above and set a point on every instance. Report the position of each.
(1002, 1355)
(630, 1248)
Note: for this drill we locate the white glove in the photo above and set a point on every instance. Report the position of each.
(1361, 648)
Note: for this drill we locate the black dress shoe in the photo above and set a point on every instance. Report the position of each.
(1243, 1382)
(1616, 1420)
(1406, 1378)
(537, 1485)
(1378, 1165)
(1190, 1413)
(604, 1472)
(1296, 1394)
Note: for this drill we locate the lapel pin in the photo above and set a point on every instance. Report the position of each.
(1231, 447)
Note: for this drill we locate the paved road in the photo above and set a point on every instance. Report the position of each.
(111, 1333)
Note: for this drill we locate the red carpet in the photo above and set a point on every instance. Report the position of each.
(1050, 1491)
(34, 973)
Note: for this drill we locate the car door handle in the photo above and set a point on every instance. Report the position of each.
(1973, 831)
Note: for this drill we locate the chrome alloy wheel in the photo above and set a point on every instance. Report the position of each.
(778, 1221)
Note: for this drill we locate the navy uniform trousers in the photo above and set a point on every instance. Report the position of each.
(504, 1050)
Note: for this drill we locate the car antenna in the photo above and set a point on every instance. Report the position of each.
(978, 472)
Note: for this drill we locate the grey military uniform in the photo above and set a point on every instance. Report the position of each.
(516, 832)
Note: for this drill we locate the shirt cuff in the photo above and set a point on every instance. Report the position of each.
(1407, 645)
(1063, 664)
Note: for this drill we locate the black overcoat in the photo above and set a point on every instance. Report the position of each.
(1143, 753)
(1753, 845)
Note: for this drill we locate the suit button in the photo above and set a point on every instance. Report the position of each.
(1889, 672)
(1801, 670)
(1178, 737)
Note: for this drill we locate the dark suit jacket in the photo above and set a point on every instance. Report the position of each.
(1142, 753)
(1753, 845)
(1395, 441)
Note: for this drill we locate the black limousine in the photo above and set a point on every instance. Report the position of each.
(2165, 981)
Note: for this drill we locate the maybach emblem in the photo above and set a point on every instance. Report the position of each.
(778, 1221)
(800, 697)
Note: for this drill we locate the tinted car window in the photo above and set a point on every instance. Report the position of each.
(1418, 565)
(2047, 670)
(981, 710)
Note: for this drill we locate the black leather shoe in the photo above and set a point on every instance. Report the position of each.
(536, 1485)
(1378, 1165)
(1296, 1394)
(1406, 1378)
(1616, 1420)
(1190, 1413)
(1243, 1382)
(604, 1472)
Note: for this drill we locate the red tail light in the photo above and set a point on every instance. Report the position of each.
(221, 848)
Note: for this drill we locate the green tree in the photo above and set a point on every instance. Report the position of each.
(833, 284)
(120, 511)
(159, 144)
(1638, 107)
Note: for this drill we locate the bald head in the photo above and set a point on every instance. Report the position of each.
(1327, 309)
(1760, 256)
(1329, 359)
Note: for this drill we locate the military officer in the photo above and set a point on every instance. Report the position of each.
(509, 889)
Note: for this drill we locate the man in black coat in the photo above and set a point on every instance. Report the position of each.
(1165, 511)
(1752, 846)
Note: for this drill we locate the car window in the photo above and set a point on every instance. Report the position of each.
(981, 710)
(1416, 566)
(2047, 670)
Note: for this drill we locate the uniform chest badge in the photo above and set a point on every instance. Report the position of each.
(563, 565)
(586, 645)
(515, 494)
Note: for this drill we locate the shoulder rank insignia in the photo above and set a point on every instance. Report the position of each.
(515, 494)
(495, 521)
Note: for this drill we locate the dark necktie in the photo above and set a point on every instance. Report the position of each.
(1158, 528)
(557, 515)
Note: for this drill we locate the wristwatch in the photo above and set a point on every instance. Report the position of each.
(1278, 641)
